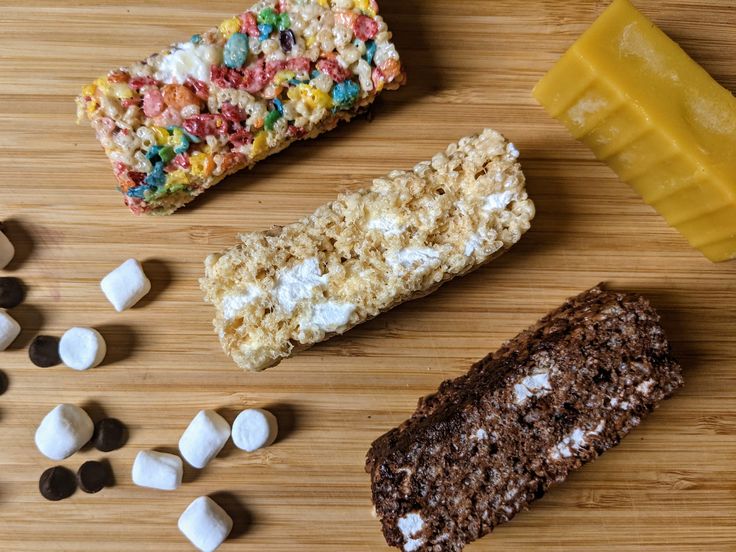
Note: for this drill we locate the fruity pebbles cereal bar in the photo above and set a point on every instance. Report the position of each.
(182, 120)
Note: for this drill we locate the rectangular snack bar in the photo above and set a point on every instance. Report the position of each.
(182, 120)
(280, 292)
(489, 443)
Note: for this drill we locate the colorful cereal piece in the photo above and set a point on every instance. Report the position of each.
(368, 7)
(370, 51)
(271, 119)
(161, 135)
(332, 67)
(166, 154)
(153, 102)
(250, 24)
(283, 22)
(179, 96)
(391, 70)
(236, 51)
(265, 31)
(202, 164)
(287, 39)
(260, 144)
(157, 178)
(268, 16)
(365, 28)
(230, 26)
(179, 141)
(344, 94)
(346, 18)
(310, 95)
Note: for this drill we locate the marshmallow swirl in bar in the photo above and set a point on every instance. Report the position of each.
(489, 443)
(280, 292)
(182, 120)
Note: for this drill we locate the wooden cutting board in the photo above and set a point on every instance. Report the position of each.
(670, 486)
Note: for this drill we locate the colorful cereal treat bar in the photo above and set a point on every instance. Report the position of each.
(489, 443)
(182, 120)
(279, 292)
(657, 118)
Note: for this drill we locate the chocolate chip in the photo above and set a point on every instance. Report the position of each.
(3, 382)
(288, 40)
(11, 292)
(94, 476)
(110, 434)
(44, 351)
(57, 483)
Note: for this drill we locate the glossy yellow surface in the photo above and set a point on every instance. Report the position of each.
(657, 118)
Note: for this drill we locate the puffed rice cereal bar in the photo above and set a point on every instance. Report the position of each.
(284, 70)
(279, 292)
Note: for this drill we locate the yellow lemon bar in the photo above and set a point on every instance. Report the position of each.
(657, 118)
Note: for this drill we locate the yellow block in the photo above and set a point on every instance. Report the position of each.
(657, 118)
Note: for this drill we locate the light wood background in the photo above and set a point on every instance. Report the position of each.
(670, 486)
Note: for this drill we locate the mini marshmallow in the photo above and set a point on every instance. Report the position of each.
(63, 431)
(204, 438)
(205, 524)
(82, 348)
(9, 329)
(158, 470)
(126, 285)
(7, 251)
(254, 429)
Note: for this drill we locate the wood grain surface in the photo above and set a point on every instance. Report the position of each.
(670, 486)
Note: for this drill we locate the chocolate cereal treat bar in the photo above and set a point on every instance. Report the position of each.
(280, 292)
(489, 443)
(185, 118)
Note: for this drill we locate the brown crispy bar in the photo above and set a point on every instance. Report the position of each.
(489, 443)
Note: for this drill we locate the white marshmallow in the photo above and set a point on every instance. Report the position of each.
(7, 251)
(9, 329)
(205, 524)
(204, 438)
(157, 470)
(254, 429)
(63, 431)
(82, 348)
(126, 285)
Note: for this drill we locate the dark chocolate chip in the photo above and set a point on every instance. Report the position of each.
(3, 382)
(57, 483)
(110, 434)
(11, 292)
(94, 476)
(44, 351)
(288, 40)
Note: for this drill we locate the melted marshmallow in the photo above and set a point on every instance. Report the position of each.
(233, 303)
(410, 525)
(420, 258)
(536, 385)
(499, 200)
(388, 226)
(188, 60)
(298, 283)
(575, 441)
(329, 316)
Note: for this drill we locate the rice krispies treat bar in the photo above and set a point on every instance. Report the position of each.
(280, 292)
(177, 123)
(489, 443)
